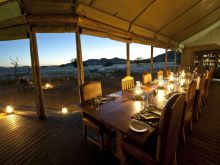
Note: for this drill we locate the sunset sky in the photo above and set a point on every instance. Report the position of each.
(56, 49)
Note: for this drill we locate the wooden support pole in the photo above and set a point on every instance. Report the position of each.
(79, 59)
(165, 63)
(175, 53)
(152, 60)
(128, 69)
(37, 77)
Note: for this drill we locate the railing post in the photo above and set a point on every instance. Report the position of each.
(128, 68)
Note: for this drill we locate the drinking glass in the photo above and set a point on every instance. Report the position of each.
(150, 99)
(143, 99)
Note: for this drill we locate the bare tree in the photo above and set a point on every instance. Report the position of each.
(15, 64)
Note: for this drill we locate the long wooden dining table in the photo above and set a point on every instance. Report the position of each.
(117, 114)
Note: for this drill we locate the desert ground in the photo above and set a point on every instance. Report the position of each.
(65, 95)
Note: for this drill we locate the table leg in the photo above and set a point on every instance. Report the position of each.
(119, 152)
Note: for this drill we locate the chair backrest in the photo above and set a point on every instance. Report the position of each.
(201, 87)
(89, 91)
(190, 96)
(159, 73)
(127, 83)
(168, 72)
(209, 74)
(146, 78)
(169, 128)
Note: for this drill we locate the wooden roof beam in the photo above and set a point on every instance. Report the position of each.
(13, 22)
(139, 14)
(6, 2)
(51, 19)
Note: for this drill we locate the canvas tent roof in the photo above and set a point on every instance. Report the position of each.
(209, 36)
(163, 23)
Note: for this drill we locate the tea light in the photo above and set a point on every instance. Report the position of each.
(9, 109)
(64, 110)
(48, 86)
(138, 91)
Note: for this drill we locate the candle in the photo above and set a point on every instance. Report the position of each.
(64, 110)
(9, 109)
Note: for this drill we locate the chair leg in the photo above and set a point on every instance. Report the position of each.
(183, 136)
(101, 143)
(174, 159)
(123, 160)
(197, 114)
(190, 126)
(84, 131)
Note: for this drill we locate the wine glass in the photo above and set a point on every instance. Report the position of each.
(150, 99)
(143, 98)
(98, 101)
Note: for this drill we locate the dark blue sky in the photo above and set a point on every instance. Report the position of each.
(56, 49)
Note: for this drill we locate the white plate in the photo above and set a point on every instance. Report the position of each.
(113, 95)
(138, 126)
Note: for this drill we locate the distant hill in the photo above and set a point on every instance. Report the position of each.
(102, 61)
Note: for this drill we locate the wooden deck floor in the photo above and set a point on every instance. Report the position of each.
(57, 140)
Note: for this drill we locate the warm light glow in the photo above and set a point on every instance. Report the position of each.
(161, 83)
(183, 74)
(138, 92)
(171, 77)
(160, 94)
(64, 110)
(47, 86)
(182, 81)
(170, 87)
(137, 106)
(9, 109)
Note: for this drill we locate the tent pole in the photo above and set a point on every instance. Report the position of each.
(79, 58)
(165, 63)
(152, 60)
(128, 69)
(41, 112)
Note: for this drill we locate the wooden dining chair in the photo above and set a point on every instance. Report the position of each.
(208, 74)
(168, 73)
(146, 78)
(159, 74)
(127, 83)
(167, 137)
(201, 81)
(88, 92)
(189, 108)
